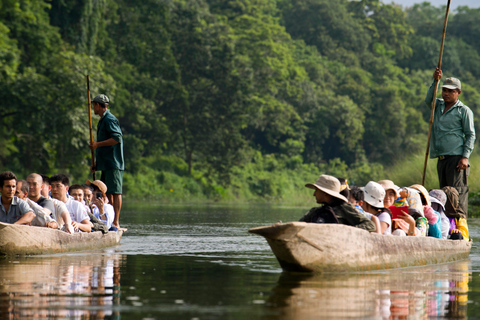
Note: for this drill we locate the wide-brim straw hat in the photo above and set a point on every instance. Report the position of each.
(328, 184)
(423, 192)
(99, 184)
(374, 194)
(389, 185)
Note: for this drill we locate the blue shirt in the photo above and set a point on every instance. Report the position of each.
(453, 133)
(17, 209)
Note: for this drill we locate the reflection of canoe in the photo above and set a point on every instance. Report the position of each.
(435, 291)
(25, 240)
(301, 246)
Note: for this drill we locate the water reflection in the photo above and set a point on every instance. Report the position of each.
(71, 286)
(433, 291)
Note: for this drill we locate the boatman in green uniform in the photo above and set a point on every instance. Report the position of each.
(109, 153)
(453, 137)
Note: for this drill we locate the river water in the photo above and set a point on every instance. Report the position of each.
(199, 262)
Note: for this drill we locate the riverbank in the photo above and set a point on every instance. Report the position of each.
(269, 179)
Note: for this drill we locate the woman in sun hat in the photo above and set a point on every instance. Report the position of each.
(391, 192)
(336, 208)
(438, 198)
(433, 217)
(373, 202)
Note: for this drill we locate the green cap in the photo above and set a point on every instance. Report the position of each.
(452, 83)
(101, 98)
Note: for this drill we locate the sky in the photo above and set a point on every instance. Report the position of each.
(453, 3)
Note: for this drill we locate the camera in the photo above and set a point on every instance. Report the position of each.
(99, 195)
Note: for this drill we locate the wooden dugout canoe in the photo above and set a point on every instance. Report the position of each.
(311, 247)
(28, 240)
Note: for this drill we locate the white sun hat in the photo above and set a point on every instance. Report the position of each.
(374, 194)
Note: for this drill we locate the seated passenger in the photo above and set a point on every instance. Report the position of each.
(391, 192)
(80, 220)
(46, 187)
(335, 208)
(410, 221)
(438, 198)
(57, 208)
(22, 189)
(13, 210)
(356, 200)
(373, 203)
(76, 191)
(43, 216)
(101, 208)
(458, 222)
(434, 219)
(87, 194)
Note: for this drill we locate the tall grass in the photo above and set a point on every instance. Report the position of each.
(273, 180)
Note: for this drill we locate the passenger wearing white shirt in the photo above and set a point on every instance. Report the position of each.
(80, 220)
(101, 209)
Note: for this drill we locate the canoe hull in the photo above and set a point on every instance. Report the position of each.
(310, 247)
(28, 240)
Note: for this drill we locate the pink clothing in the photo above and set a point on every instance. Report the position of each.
(430, 214)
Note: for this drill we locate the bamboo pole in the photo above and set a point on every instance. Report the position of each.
(432, 113)
(90, 122)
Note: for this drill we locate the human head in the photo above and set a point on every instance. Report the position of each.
(98, 186)
(328, 185)
(46, 185)
(356, 196)
(76, 191)
(100, 104)
(391, 192)
(22, 189)
(374, 194)
(35, 185)
(8, 184)
(423, 194)
(439, 197)
(59, 184)
(451, 89)
(88, 193)
(344, 188)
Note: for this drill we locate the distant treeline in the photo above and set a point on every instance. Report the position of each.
(206, 89)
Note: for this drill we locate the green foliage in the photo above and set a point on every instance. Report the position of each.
(228, 100)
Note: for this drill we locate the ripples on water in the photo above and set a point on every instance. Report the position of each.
(200, 263)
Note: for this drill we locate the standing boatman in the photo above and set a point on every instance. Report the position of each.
(453, 137)
(109, 153)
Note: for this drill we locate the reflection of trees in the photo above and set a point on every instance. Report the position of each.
(66, 286)
(433, 291)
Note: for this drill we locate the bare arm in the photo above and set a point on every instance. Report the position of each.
(377, 224)
(411, 222)
(84, 226)
(26, 218)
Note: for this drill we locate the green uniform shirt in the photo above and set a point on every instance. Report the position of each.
(453, 133)
(111, 157)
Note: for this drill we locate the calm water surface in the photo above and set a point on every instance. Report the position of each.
(199, 262)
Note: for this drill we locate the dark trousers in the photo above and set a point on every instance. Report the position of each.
(449, 175)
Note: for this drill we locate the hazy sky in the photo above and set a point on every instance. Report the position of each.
(436, 3)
